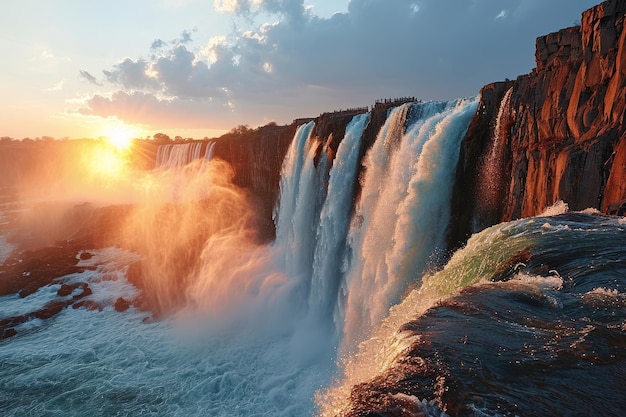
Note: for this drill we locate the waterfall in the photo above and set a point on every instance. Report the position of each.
(352, 267)
(295, 217)
(490, 181)
(210, 151)
(334, 221)
(401, 220)
(177, 155)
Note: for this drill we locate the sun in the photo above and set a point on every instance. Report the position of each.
(120, 136)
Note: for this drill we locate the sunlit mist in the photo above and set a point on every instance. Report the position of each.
(120, 135)
(108, 161)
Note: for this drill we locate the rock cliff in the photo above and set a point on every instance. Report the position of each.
(561, 130)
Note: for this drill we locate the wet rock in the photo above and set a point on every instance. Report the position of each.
(26, 272)
(66, 289)
(51, 309)
(86, 291)
(121, 304)
(5, 334)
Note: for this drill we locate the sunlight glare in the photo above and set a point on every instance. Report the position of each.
(120, 136)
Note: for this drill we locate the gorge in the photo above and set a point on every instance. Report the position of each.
(408, 258)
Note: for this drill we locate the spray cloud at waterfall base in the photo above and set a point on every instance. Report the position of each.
(224, 305)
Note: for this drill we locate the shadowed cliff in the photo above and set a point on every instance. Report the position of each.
(562, 129)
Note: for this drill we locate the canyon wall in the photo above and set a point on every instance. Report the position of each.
(561, 129)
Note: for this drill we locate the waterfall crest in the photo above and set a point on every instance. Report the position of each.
(176, 155)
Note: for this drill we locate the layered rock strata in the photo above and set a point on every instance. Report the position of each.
(562, 129)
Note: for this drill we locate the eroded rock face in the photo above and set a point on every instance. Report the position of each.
(563, 125)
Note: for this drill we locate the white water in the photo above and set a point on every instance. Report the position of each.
(5, 248)
(178, 155)
(108, 363)
(403, 212)
(334, 222)
(259, 335)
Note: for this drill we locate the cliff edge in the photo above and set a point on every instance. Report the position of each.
(560, 130)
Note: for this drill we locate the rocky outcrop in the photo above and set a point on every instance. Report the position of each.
(25, 272)
(257, 157)
(563, 128)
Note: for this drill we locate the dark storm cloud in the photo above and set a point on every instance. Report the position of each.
(433, 49)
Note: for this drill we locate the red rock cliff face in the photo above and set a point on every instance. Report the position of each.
(563, 128)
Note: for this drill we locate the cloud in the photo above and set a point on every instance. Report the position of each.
(185, 37)
(131, 74)
(301, 64)
(56, 87)
(293, 11)
(157, 44)
(47, 55)
(86, 75)
(148, 109)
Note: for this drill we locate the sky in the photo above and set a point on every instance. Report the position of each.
(197, 68)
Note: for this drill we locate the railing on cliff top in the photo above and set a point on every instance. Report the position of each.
(386, 102)
(395, 101)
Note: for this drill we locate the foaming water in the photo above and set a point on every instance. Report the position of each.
(108, 363)
(5, 248)
(567, 264)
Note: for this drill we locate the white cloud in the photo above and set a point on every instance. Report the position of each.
(56, 87)
(46, 55)
(502, 14)
(211, 51)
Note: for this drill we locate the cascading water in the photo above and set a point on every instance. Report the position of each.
(295, 216)
(180, 154)
(353, 278)
(354, 274)
(490, 182)
(334, 222)
(404, 210)
(210, 151)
